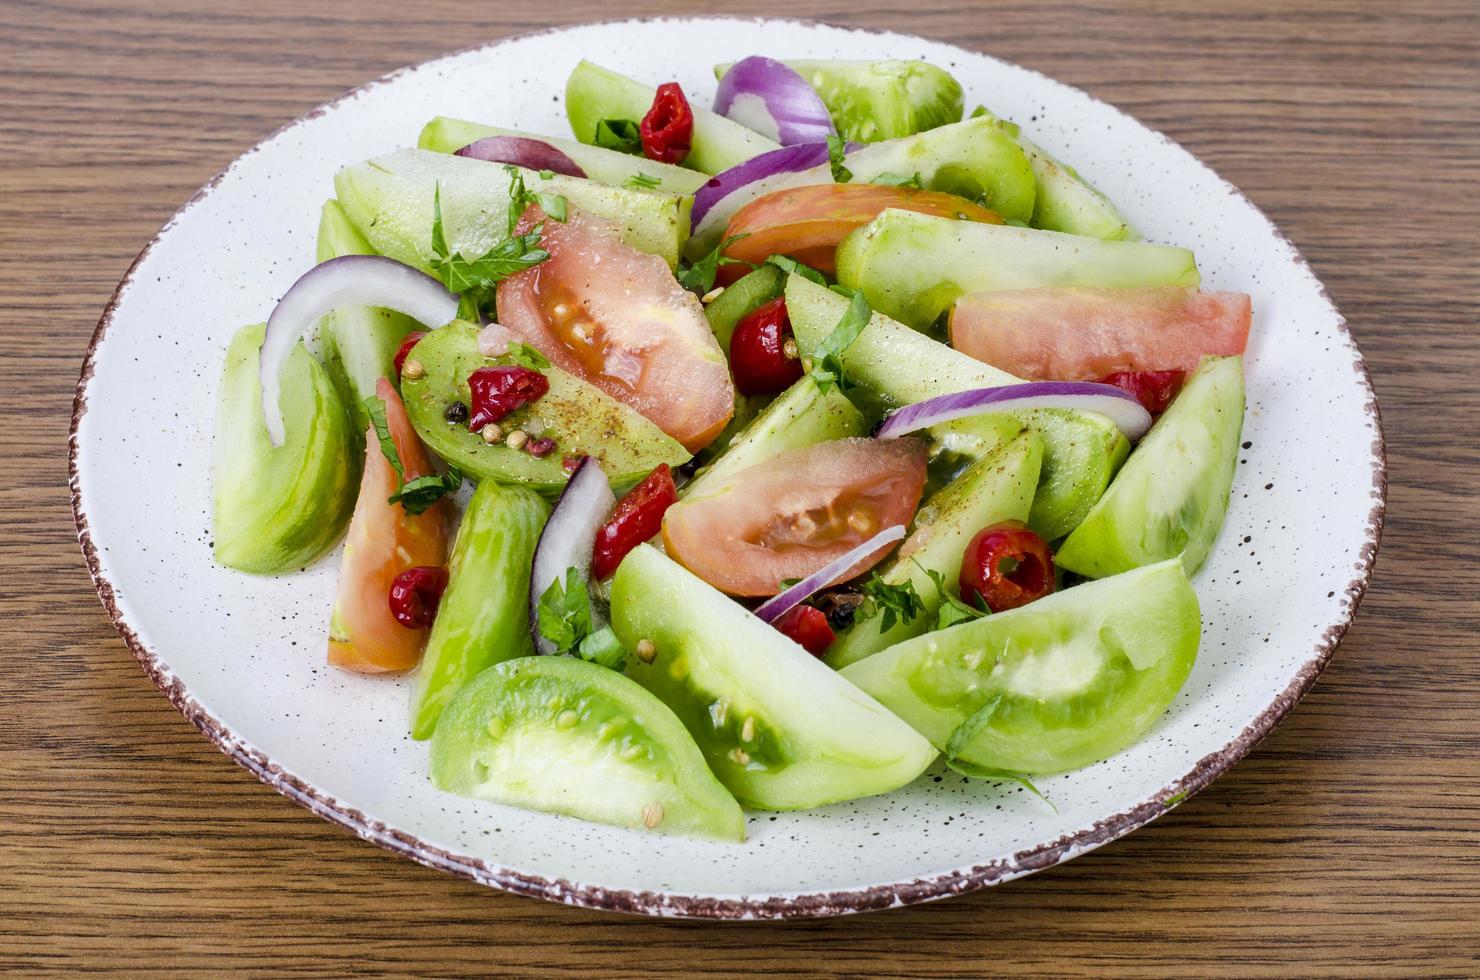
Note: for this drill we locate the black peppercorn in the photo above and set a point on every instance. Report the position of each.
(457, 412)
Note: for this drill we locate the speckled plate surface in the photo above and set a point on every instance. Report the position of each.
(243, 657)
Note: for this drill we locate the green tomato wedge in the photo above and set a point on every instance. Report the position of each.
(1066, 201)
(445, 135)
(894, 365)
(277, 508)
(389, 199)
(998, 487)
(561, 735)
(582, 419)
(1057, 684)
(881, 100)
(802, 415)
(779, 728)
(359, 343)
(593, 93)
(751, 291)
(1172, 494)
(913, 266)
(483, 617)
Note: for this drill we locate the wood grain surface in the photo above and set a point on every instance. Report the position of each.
(1349, 843)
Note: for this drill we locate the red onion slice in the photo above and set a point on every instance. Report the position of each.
(1118, 405)
(788, 599)
(772, 99)
(532, 154)
(569, 537)
(348, 281)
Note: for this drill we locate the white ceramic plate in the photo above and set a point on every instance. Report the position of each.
(243, 657)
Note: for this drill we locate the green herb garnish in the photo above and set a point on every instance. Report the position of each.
(788, 264)
(642, 182)
(699, 277)
(952, 610)
(565, 620)
(474, 279)
(891, 602)
(414, 496)
(890, 179)
(526, 356)
(827, 362)
(836, 148)
(622, 135)
(966, 733)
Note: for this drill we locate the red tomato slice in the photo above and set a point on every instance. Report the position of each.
(789, 516)
(617, 318)
(383, 542)
(807, 223)
(1066, 334)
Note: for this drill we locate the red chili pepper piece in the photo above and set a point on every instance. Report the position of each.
(637, 517)
(1153, 389)
(1006, 566)
(808, 626)
(497, 391)
(668, 128)
(758, 351)
(405, 348)
(415, 594)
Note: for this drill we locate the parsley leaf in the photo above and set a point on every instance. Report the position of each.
(565, 620)
(827, 363)
(952, 610)
(699, 277)
(414, 496)
(966, 733)
(894, 602)
(788, 264)
(642, 182)
(618, 134)
(526, 356)
(565, 611)
(473, 279)
(836, 147)
(891, 179)
(521, 197)
(375, 408)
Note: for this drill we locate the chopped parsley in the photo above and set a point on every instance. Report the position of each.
(526, 356)
(642, 182)
(836, 148)
(416, 495)
(966, 733)
(565, 620)
(622, 135)
(891, 179)
(894, 603)
(827, 363)
(952, 610)
(788, 264)
(699, 277)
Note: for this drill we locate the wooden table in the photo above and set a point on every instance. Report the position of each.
(1349, 842)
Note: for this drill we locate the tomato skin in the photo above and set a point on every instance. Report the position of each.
(1153, 389)
(667, 131)
(807, 222)
(758, 357)
(415, 594)
(809, 627)
(983, 576)
(617, 319)
(497, 391)
(383, 541)
(405, 349)
(791, 515)
(638, 517)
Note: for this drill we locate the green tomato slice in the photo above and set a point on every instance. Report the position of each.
(561, 735)
(1053, 685)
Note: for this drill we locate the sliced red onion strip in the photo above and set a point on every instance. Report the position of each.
(772, 99)
(785, 161)
(569, 537)
(522, 151)
(788, 599)
(348, 281)
(1118, 405)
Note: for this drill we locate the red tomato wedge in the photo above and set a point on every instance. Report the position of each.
(807, 223)
(1069, 334)
(789, 516)
(383, 542)
(617, 318)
